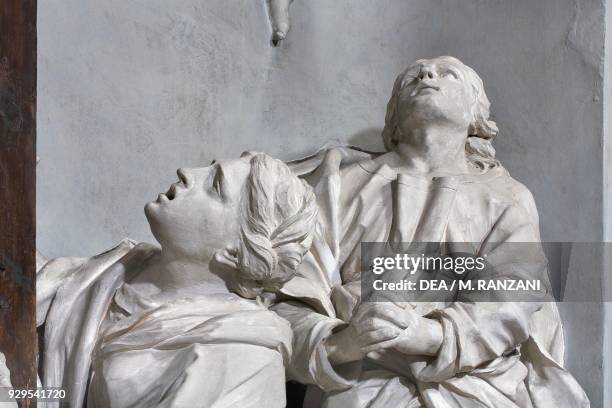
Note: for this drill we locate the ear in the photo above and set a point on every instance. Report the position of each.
(472, 129)
(228, 256)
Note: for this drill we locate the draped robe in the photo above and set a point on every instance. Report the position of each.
(110, 346)
(493, 354)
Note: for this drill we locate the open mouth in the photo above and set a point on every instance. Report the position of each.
(171, 194)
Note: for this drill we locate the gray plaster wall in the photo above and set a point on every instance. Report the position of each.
(128, 91)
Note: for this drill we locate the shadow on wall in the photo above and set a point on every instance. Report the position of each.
(368, 139)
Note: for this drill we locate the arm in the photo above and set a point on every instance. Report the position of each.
(474, 329)
(478, 329)
(382, 325)
(310, 362)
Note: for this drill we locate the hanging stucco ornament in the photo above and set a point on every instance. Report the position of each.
(279, 19)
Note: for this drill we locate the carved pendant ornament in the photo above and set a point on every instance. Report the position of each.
(278, 11)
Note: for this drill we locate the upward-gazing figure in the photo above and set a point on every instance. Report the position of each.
(438, 182)
(179, 326)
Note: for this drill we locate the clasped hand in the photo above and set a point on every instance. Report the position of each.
(374, 326)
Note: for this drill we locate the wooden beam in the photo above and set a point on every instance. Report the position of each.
(18, 190)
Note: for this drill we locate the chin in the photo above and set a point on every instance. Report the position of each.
(152, 212)
(428, 103)
(161, 224)
(431, 110)
(149, 210)
(155, 227)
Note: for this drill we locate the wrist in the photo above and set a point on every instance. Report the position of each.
(434, 337)
(338, 347)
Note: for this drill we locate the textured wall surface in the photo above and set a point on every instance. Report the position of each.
(129, 91)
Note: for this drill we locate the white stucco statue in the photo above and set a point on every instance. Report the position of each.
(439, 181)
(255, 275)
(140, 326)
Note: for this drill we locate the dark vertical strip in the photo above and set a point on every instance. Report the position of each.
(18, 190)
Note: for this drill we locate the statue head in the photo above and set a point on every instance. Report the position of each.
(251, 214)
(441, 91)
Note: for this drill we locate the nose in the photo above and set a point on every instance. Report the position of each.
(185, 175)
(427, 71)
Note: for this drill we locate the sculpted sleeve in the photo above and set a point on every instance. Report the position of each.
(309, 308)
(477, 328)
(310, 364)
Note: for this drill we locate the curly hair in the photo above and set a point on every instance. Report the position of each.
(479, 148)
(277, 227)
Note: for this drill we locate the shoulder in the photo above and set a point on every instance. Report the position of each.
(331, 156)
(514, 196)
(63, 273)
(61, 268)
(520, 196)
(503, 187)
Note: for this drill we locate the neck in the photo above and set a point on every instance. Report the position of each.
(172, 273)
(433, 150)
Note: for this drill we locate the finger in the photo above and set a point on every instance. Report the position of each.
(383, 308)
(374, 324)
(373, 309)
(387, 344)
(380, 335)
(399, 317)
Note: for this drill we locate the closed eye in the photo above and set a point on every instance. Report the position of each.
(408, 79)
(451, 72)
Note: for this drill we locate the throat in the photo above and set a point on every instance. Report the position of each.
(181, 278)
(432, 151)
